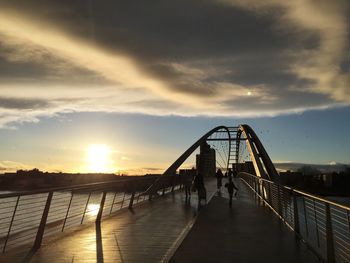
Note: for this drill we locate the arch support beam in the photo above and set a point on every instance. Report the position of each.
(258, 154)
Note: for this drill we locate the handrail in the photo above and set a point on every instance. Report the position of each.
(28, 218)
(303, 193)
(322, 224)
(74, 187)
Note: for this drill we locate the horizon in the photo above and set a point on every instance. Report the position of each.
(127, 87)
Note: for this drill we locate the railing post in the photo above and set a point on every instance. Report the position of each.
(279, 200)
(41, 228)
(110, 211)
(100, 211)
(329, 236)
(305, 218)
(296, 213)
(316, 221)
(269, 197)
(86, 206)
(173, 184)
(132, 199)
(163, 193)
(11, 223)
(65, 219)
(122, 203)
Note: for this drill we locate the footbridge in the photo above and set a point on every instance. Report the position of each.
(150, 219)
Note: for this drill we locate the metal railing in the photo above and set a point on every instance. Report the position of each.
(322, 224)
(26, 218)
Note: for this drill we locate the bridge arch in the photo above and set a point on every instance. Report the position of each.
(262, 163)
(172, 169)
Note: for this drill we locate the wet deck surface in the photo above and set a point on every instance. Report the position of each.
(154, 230)
(246, 233)
(148, 233)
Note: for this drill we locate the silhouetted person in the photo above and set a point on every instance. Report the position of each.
(219, 176)
(188, 183)
(235, 173)
(230, 173)
(230, 188)
(199, 186)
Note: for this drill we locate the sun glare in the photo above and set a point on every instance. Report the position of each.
(98, 158)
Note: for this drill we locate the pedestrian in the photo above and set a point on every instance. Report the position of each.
(230, 173)
(219, 176)
(188, 184)
(235, 173)
(198, 184)
(230, 188)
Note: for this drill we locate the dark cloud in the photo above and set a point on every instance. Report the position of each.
(22, 103)
(39, 65)
(210, 51)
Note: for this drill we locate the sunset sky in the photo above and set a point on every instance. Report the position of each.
(140, 81)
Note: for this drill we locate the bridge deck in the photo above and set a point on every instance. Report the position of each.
(249, 232)
(148, 233)
(152, 231)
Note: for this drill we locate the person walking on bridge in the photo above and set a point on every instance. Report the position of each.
(198, 185)
(219, 175)
(230, 188)
(188, 184)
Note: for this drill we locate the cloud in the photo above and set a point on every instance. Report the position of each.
(154, 58)
(320, 64)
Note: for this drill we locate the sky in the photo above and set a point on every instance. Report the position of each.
(141, 81)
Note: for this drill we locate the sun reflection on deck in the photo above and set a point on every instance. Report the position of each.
(92, 210)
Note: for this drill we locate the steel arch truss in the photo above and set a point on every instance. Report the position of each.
(233, 136)
(262, 163)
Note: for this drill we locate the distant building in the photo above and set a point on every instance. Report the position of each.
(246, 167)
(191, 172)
(206, 160)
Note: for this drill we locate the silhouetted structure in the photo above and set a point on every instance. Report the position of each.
(206, 161)
(246, 167)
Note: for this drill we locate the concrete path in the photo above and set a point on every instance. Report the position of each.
(151, 232)
(246, 233)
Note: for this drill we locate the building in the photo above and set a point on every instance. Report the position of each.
(246, 167)
(206, 160)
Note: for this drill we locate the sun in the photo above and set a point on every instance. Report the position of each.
(98, 158)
